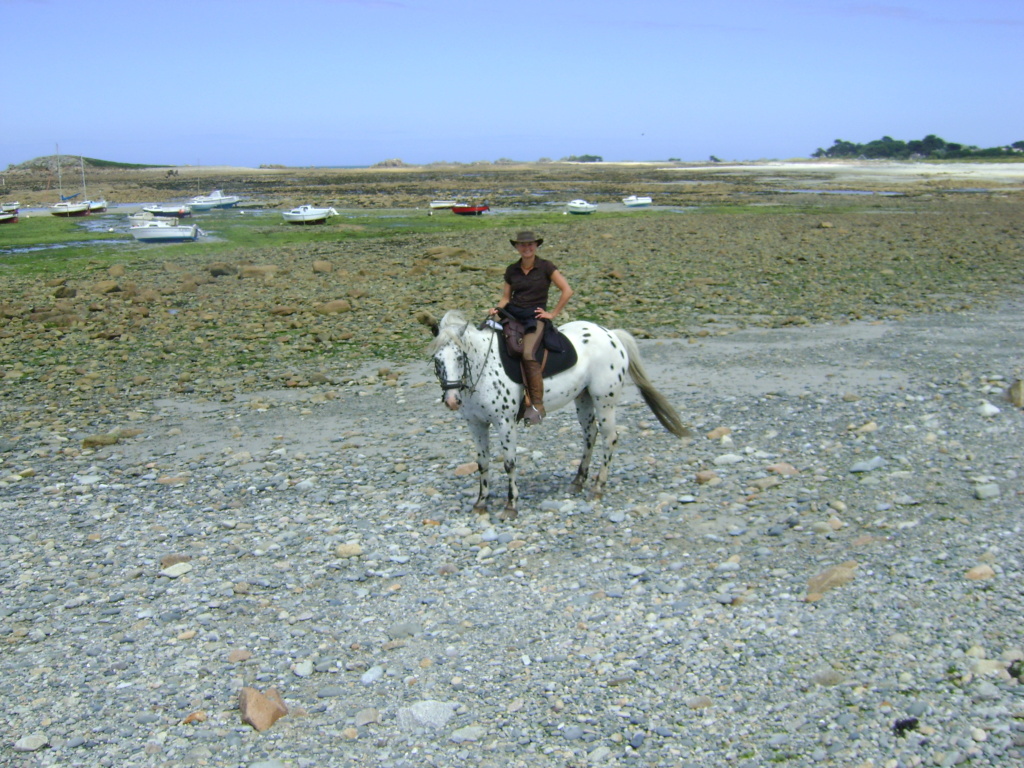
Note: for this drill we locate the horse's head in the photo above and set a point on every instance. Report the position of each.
(450, 361)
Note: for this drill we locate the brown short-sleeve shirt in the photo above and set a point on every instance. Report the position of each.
(530, 291)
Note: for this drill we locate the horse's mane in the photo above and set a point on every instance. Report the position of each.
(451, 328)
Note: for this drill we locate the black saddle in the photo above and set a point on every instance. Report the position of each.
(557, 354)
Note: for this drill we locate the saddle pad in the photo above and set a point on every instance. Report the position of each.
(556, 362)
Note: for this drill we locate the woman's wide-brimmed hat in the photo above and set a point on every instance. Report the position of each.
(526, 236)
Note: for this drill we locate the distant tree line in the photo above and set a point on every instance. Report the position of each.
(931, 146)
(583, 159)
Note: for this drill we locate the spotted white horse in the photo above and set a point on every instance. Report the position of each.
(473, 381)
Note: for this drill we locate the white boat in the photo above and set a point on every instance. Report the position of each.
(216, 199)
(580, 206)
(443, 204)
(141, 217)
(307, 214)
(97, 206)
(160, 231)
(66, 207)
(636, 202)
(177, 211)
(8, 217)
(9, 207)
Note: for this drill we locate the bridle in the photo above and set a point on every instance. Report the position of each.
(464, 382)
(447, 384)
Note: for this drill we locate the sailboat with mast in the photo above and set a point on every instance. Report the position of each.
(67, 207)
(95, 206)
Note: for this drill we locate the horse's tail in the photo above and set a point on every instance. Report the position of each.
(661, 407)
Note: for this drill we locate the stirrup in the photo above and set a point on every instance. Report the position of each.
(533, 415)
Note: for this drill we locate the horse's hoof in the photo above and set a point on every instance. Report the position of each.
(509, 513)
(533, 415)
(575, 486)
(479, 509)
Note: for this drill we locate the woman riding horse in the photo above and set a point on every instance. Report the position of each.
(525, 297)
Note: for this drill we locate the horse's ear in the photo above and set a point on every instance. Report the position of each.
(429, 320)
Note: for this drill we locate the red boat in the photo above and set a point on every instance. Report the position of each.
(9, 217)
(469, 210)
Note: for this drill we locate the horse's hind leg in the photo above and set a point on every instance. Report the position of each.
(585, 416)
(604, 411)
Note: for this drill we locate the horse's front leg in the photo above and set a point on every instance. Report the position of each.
(480, 430)
(507, 441)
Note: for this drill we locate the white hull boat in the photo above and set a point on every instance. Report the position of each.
(9, 207)
(636, 202)
(175, 211)
(159, 231)
(216, 199)
(580, 206)
(97, 206)
(70, 209)
(65, 207)
(307, 214)
(143, 216)
(443, 204)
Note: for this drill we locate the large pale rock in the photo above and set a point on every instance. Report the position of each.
(981, 572)
(426, 714)
(265, 271)
(31, 743)
(261, 710)
(334, 307)
(349, 549)
(830, 578)
(1016, 393)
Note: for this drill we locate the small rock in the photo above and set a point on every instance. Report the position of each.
(987, 491)
(372, 675)
(981, 572)
(868, 465)
(1015, 393)
(426, 714)
(349, 549)
(468, 733)
(987, 410)
(31, 743)
(830, 578)
(368, 716)
(261, 710)
(176, 570)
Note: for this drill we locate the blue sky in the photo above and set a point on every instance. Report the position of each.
(354, 82)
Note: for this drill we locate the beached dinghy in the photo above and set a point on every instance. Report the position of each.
(636, 202)
(216, 199)
(172, 211)
(580, 206)
(160, 231)
(469, 210)
(307, 214)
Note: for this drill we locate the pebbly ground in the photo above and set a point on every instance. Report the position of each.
(828, 573)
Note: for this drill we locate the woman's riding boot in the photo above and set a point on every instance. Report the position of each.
(534, 380)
